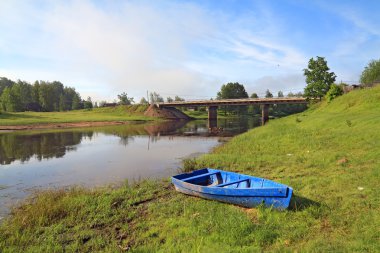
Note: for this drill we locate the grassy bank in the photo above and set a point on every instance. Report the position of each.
(119, 113)
(328, 154)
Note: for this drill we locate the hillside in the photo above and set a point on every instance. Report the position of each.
(329, 154)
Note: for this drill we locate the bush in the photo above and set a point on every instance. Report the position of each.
(334, 91)
(371, 73)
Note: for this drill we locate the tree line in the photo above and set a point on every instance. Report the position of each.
(237, 90)
(40, 96)
(54, 96)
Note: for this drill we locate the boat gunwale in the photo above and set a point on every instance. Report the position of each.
(238, 192)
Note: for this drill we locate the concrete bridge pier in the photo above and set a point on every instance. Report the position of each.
(212, 113)
(212, 124)
(212, 117)
(264, 113)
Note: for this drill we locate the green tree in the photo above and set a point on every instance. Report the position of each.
(290, 95)
(254, 95)
(318, 78)
(371, 73)
(35, 92)
(10, 100)
(23, 91)
(155, 98)
(254, 109)
(280, 94)
(62, 106)
(268, 94)
(45, 96)
(178, 99)
(69, 94)
(169, 99)
(76, 104)
(124, 99)
(4, 83)
(57, 90)
(41, 96)
(87, 104)
(232, 90)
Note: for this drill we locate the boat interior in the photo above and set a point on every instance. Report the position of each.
(216, 178)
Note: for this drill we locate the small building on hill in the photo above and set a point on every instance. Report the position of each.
(348, 88)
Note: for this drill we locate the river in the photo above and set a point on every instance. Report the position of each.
(36, 160)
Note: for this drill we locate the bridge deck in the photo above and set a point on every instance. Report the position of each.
(243, 101)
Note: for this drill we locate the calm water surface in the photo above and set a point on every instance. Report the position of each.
(36, 160)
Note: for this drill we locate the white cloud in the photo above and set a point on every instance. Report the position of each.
(134, 49)
(177, 48)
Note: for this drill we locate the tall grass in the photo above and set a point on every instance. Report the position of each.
(332, 165)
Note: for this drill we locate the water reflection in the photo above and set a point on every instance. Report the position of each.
(16, 146)
(102, 155)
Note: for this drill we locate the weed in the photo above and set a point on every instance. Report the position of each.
(189, 164)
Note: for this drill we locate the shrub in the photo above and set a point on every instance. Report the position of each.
(334, 91)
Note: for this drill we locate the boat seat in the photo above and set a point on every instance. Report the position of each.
(200, 176)
(233, 182)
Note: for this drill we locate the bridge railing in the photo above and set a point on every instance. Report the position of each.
(242, 101)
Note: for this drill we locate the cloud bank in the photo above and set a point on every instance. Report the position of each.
(104, 48)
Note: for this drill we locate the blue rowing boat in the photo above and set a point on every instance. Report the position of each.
(235, 188)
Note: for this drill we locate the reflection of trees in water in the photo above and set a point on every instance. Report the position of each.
(22, 147)
(154, 138)
(125, 140)
(230, 126)
(43, 146)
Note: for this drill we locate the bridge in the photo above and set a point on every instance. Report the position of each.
(212, 105)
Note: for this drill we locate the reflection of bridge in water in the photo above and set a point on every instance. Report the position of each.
(213, 105)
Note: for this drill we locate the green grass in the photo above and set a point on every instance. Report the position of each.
(119, 113)
(329, 154)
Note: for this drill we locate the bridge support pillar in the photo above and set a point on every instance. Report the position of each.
(264, 114)
(212, 124)
(212, 117)
(212, 113)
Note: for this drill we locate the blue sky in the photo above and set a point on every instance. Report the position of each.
(186, 48)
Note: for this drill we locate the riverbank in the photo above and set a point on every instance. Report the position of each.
(329, 154)
(63, 125)
(105, 114)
